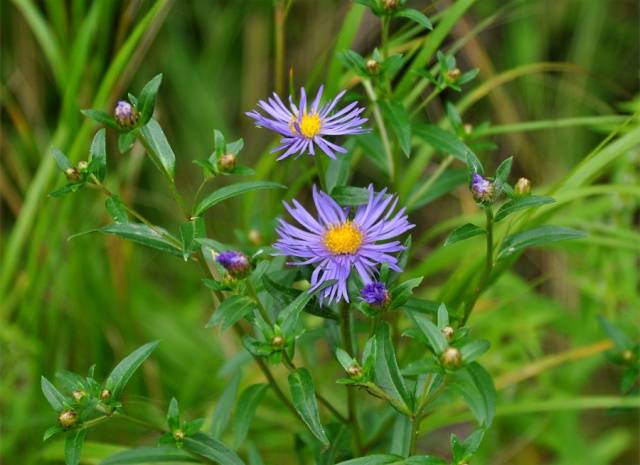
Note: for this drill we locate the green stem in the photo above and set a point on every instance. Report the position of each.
(347, 341)
(261, 309)
(486, 276)
(415, 421)
(385, 37)
(426, 101)
(384, 135)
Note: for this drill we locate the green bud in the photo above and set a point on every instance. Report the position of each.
(178, 435)
(451, 357)
(277, 341)
(105, 394)
(227, 163)
(448, 332)
(373, 67)
(354, 371)
(522, 187)
(453, 74)
(82, 166)
(72, 174)
(390, 5)
(68, 418)
(78, 395)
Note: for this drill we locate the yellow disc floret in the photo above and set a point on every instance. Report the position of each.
(344, 238)
(310, 125)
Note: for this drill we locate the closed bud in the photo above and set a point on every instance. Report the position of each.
(255, 237)
(126, 115)
(448, 332)
(277, 341)
(178, 435)
(390, 5)
(468, 128)
(78, 395)
(72, 174)
(68, 418)
(373, 67)
(627, 355)
(453, 74)
(354, 371)
(227, 163)
(523, 187)
(236, 263)
(451, 357)
(82, 166)
(105, 394)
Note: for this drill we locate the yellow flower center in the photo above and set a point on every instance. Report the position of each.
(344, 238)
(310, 125)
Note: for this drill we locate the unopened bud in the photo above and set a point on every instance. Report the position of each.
(354, 371)
(376, 294)
(277, 341)
(178, 435)
(236, 263)
(448, 332)
(68, 418)
(468, 128)
(451, 357)
(126, 115)
(373, 67)
(105, 394)
(72, 174)
(390, 5)
(482, 189)
(255, 237)
(523, 187)
(627, 355)
(83, 165)
(453, 74)
(78, 395)
(227, 163)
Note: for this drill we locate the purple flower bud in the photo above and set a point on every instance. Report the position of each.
(482, 189)
(375, 294)
(236, 263)
(126, 114)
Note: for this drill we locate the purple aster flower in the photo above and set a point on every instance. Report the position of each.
(336, 243)
(304, 127)
(126, 114)
(375, 294)
(236, 263)
(482, 188)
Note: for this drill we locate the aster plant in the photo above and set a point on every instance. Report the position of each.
(329, 296)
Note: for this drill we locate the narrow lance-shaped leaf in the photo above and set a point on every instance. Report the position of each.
(207, 447)
(249, 400)
(521, 203)
(288, 317)
(123, 372)
(477, 388)
(473, 350)
(303, 395)
(148, 98)
(397, 116)
(536, 237)
(222, 412)
(144, 455)
(466, 231)
(233, 190)
(160, 151)
(98, 152)
(141, 234)
(53, 396)
(231, 310)
(101, 117)
(387, 373)
(173, 414)
(416, 16)
(430, 331)
(61, 160)
(73, 446)
(448, 143)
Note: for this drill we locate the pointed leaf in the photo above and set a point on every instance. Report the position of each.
(141, 234)
(222, 412)
(466, 231)
(73, 446)
(416, 16)
(398, 117)
(448, 143)
(144, 455)
(249, 401)
(303, 395)
(53, 396)
(233, 190)
(123, 372)
(521, 203)
(173, 415)
(98, 155)
(61, 160)
(477, 388)
(387, 373)
(148, 98)
(231, 310)
(207, 447)
(542, 235)
(101, 117)
(116, 209)
(430, 331)
(473, 350)
(161, 152)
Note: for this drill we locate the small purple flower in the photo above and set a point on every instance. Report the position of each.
(126, 114)
(336, 243)
(482, 188)
(375, 294)
(236, 263)
(304, 127)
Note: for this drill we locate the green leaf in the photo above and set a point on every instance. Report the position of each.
(447, 142)
(401, 293)
(53, 396)
(398, 117)
(345, 359)
(249, 400)
(425, 460)
(401, 437)
(542, 235)
(477, 389)
(141, 234)
(123, 372)
(443, 316)
(205, 446)
(430, 331)
(61, 160)
(521, 203)
(377, 459)
(349, 196)
(620, 339)
(73, 446)
(416, 16)
(387, 373)
(304, 400)
(101, 117)
(144, 455)
(288, 317)
(231, 310)
(235, 147)
(116, 209)
(161, 152)
(464, 232)
(173, 415)
(126, 140)
(222, 412)
(502, 173)
(473, 350)
(52, 431)
(148, 98)
(234, 190)
(373, 149)
(443, 184)
(98, 155)
(189, 232)
(462, 452)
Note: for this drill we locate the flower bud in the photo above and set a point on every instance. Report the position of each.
(227, 163)
(468, 128)
(178, 435)
(105, 394)
(354, 371)
(627, 355)
(453, 74)
(236, 263)
(375, 294)
(523, 187)
(68, 418)
(277, 341)
(451, 357)
(448, 332)
(255, 237)
(126, 115)
(72, 174)
(390, 5)
(78, 395)
(82, 166)
(373, 67)
(483, 189)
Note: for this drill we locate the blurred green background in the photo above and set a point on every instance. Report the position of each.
(70, 304)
